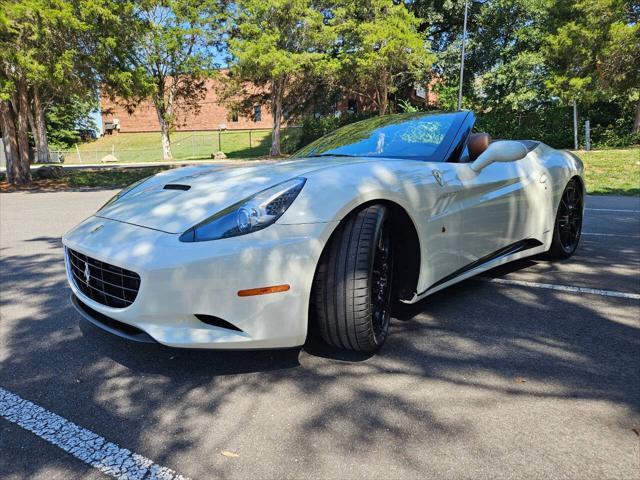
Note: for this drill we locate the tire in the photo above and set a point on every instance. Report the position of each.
(353, 283)
(568, 225)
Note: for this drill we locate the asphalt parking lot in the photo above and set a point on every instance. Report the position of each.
(523, 377)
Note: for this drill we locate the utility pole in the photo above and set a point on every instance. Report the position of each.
(464, 41)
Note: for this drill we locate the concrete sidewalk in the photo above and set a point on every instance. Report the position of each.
(172, 163)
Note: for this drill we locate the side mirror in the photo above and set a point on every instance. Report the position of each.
(500, 151)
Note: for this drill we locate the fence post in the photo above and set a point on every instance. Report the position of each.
(587, 135)
(575, 125)
(219, 141)
(250, 146)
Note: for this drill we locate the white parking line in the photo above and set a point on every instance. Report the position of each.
(610, 235)
(83, 444)
(617, 210)
(562, 288)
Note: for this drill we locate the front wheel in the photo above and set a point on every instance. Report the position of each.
(568, 225)
(353, 283)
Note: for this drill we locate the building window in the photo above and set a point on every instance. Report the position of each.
(257, 113)
(352, 106)
(233, 116)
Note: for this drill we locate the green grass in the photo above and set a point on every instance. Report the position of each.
(612, 172)
(146, 147)
(608, 172)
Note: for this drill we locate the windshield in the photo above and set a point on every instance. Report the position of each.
(414, 136)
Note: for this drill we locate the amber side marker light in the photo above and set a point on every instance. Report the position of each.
(263, 290)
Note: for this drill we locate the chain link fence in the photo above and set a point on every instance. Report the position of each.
(147, 147)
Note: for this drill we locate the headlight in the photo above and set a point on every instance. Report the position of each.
(249, 215)
(123, 192)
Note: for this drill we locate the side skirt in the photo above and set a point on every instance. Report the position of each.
(515, 251)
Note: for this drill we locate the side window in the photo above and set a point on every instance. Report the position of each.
(257, 113)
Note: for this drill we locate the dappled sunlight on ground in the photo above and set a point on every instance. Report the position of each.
(472, 378)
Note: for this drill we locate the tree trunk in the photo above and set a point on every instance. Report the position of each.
(636, 121)
(164, 110)
(21, 117)
(164, 136)
(277, 95)
(39, 128)
(164, 132)
(10, 141)
(383, 99)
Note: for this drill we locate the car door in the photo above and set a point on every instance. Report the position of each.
(496, 203)
(442, 227)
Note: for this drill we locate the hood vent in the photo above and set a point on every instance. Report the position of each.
(176, 186)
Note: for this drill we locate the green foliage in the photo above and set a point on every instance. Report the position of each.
(313, 128)
(406, 107)
(553, 124)
(166, 54)
(527, 58)
(55, 43)
(66, 120)
(279, 47)
(277, 39)
(380, 48)
(595, 51)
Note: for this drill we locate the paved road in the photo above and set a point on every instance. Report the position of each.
(482, 380)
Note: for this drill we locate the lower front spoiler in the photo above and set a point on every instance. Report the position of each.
(109, 324)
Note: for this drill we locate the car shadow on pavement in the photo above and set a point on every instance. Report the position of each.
(473, 340)
(150, 358)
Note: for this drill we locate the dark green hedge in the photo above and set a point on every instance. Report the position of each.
(610, 125)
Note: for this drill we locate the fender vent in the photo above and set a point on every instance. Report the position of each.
(216, 322)
(176, 186)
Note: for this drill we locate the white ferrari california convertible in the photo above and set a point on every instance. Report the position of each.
(390, 209)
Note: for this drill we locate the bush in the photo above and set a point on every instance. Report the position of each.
(552, 124)
(611, 124)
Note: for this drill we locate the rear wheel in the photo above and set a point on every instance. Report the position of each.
(568, 225)
(353, 283)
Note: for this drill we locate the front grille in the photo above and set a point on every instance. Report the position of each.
(107, 284)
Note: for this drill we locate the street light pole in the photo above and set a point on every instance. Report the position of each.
(464, 41)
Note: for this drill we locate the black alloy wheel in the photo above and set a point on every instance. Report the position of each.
(568, 226)
(352, 290)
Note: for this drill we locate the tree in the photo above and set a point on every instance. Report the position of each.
(13, 121)
(49, 49)
(274, 44)
(596, 52)
(167, 55)
(380, 47)
(68, 118)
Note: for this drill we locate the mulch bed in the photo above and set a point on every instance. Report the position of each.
(49, 185)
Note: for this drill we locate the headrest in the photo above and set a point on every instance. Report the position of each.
(478, 143)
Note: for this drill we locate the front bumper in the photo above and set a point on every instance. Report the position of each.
(179, 280)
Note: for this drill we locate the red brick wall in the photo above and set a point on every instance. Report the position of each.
(211, 115)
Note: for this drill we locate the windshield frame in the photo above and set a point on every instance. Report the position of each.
(442, 153)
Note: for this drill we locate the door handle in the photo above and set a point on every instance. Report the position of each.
(437, 174)
(543, 178)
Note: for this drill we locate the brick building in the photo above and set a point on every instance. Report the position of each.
(212, 115)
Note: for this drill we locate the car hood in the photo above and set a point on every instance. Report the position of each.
(197, 192)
